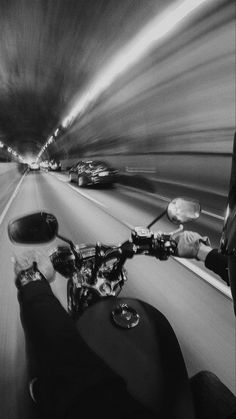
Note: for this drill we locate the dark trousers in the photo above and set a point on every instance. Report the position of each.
(73, 381)
(212, 399)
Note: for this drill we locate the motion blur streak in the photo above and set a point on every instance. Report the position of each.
(171, 90)
(201, 316)
(181, 97)
(148, 37)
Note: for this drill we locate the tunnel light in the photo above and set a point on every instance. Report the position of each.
(50, 140)
(11, 151)
(67, 121)
(158, 28)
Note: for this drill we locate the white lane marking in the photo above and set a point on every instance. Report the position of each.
(219, 217)
(224, 289)
(11, 199)
(151, 194)
(164, 198)
(87, 196)
(155, 195)
(127, 224)
(211, 280)
(140, 169)
(62, 179)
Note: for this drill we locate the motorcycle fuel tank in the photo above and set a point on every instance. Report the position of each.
(146, 355)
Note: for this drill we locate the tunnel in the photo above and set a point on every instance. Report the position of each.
(109, 110)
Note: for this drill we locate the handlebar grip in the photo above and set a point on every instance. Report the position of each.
(164, 246)
(160, 245)
(63, 260)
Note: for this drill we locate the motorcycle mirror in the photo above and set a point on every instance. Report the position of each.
(36, 228)
(183, 210)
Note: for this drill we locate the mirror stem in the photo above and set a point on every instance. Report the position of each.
(181, 227)
(156, 219)
(71, 244)
(35, 266)
(66, 240)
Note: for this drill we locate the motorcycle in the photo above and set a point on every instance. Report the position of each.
(131, 336)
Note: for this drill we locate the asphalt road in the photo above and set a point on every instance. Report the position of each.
(201, 316)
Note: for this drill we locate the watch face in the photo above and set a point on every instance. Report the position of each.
(29, 275)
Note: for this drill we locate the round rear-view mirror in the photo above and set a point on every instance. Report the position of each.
(36, 228)
(183, 210)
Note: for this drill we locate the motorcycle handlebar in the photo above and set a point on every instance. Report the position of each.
(143, 241)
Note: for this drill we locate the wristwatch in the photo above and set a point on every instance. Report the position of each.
(29, 275)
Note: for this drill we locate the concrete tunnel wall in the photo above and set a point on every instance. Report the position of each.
(205, 172)
(10, 174)
(199, 172)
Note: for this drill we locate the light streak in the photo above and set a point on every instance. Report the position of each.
(11, 151)
(158, 28)
(153, 33)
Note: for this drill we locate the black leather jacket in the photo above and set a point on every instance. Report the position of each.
(218, 263)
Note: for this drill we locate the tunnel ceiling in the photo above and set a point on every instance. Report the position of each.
(49, 50)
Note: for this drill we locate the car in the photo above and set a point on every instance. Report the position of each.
(34, 166)
(92, 172)
(54, 165)
(44, 165)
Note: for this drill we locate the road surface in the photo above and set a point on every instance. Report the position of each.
(201, 316)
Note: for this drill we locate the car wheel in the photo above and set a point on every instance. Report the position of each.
(81, 181)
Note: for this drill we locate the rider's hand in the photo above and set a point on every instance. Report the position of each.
(25, 261)
(189, 244)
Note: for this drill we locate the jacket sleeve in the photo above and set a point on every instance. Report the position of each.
(218, 263)
(68, 368)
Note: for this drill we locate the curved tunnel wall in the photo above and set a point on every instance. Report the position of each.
(196, 172)
(171, 118)
(10, 174)
(181, 97)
